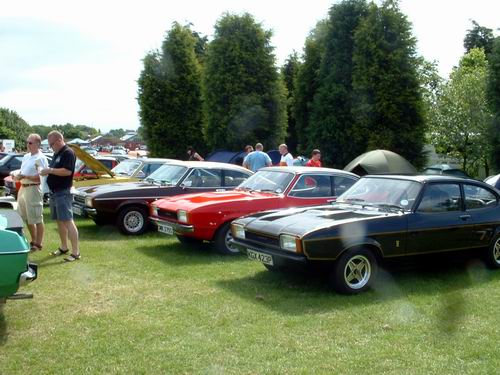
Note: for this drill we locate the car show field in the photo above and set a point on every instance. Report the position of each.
(151, 305)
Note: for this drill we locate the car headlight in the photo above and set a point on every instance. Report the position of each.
(182, 216)
(288, 242)
(89, 201)
(238, 231)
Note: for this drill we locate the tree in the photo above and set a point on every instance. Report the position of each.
(289, 72)
(332, 114)
(244, 96)
(116, 133)
(170, 96)
(388, 107)
(462, 119)
(479, 37)
(430, 84)
(494, 100)
(307, 83)
(12, 126)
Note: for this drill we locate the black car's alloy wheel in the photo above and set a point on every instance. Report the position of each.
(354, 271)
(493, 253)
(133, 220)
(222, 240)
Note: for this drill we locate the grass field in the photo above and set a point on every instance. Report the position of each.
(148, 305)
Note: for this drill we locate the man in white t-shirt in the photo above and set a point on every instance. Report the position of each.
(286, 157)
(30, 196)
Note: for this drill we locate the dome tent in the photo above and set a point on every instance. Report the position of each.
(380, 162)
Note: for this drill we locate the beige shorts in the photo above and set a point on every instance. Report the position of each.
(30, 204)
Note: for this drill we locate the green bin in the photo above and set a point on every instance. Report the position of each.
(15, 270)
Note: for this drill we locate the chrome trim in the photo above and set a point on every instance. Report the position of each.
(178, 228)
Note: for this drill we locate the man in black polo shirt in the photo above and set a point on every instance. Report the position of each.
(60, 180)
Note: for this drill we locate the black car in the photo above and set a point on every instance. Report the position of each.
(378, 217)
(126, 204)
(445, 169)
(9, 163)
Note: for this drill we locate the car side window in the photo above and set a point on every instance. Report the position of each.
(312, 186)
(478, 197)
(341, 184)
(16, 162)
(234, 178)
(203, 178)
(440, 198)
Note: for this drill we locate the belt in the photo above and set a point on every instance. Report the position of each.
(26, 185)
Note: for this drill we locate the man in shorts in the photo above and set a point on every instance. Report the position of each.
(30, 197)
(59, 180)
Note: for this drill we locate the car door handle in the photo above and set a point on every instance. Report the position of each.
(464, 217)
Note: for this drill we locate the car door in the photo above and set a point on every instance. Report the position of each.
(309, 190)
(439, 223)
(481, 203)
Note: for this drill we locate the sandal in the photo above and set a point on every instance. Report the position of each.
(35, 247)
(58, 252)
(72, 258)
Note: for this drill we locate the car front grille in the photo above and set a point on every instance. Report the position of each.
(259, 238)
(79, 199)
(167, 214)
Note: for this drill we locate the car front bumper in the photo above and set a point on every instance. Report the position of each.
(83, 211)
(280, 257)
(177, 227)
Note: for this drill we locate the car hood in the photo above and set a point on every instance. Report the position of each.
(118, 187)
(90, 161)
(216, 198)
(301, 221)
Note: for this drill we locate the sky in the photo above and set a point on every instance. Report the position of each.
(78, 62)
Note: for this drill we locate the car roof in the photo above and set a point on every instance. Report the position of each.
(210, 164)
(422, 178)
(304, 169)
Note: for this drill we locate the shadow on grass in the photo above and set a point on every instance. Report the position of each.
(178, 254)
(305, 292)
(4, 335)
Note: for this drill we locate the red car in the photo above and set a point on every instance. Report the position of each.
(207, 216)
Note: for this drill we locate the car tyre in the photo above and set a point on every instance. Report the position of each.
(354, 271)
(133, 220)
(222, 238)
(492, 256)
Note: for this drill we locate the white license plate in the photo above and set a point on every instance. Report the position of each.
(167, 229)
(264, 258)
(77, 211)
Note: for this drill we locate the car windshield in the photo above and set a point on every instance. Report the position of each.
(271, 181)
(382, 192)
(127, 167)
(167, 174)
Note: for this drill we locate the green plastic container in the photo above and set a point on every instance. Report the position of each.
(14, 250)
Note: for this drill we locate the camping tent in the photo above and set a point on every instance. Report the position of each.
(380, 162)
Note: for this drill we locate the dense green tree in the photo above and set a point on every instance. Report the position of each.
(430, 83)
(388, 108)
(12, 126)
(479, 37)
(332, 116)
(289, 72)
(494, 100)
(170, 96)
(307, 83)
(244, 96)
(116, 133)
(462, 121)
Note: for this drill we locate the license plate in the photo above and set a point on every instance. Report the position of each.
(167, 229)
(77, 210)
(263, 258)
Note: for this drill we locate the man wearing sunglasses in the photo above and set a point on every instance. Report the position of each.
(30, 197)
(60, 179)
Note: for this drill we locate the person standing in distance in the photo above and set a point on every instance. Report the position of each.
(59, 181)
(193, 155)
(257, 159)
(286, 157)
(315, 159)
(30, 197)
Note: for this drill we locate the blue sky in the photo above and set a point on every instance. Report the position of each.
(78, 62)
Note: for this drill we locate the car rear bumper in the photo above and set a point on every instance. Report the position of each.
(178, 228)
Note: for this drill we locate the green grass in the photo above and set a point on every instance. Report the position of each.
(149, 305)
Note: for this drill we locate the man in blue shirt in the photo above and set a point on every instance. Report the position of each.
(257, 159)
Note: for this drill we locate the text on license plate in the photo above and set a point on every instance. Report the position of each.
(167, 229)
(77, 210)
(264, 258)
